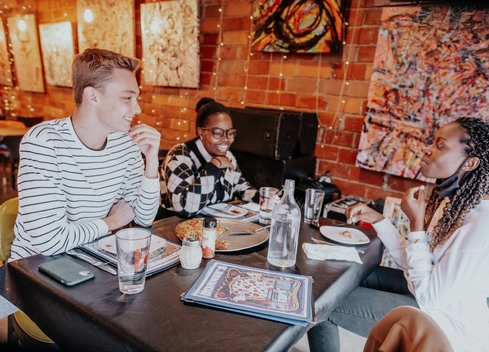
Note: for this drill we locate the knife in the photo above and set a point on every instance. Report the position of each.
(240, 233)
(97, 263)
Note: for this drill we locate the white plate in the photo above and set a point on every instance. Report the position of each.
(107, 243)
(240, 242)
(232, 213)
(334, 233)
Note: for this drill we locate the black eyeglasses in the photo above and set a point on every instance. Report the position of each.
(218, 133)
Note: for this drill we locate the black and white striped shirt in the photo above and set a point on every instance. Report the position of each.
(65, 188)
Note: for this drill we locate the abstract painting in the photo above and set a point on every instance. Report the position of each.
(170, 33)
(5, 71)
(57, 52)
(298, 26)
(431, 66)
(27, 56)
(107, 24)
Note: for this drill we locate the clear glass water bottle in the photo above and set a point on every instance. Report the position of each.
(284, 233)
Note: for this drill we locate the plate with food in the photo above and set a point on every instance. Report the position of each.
(107, 243)
(344, 235)
(224, 210)
(231, 235)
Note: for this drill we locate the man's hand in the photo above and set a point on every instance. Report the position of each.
(148, 140)
(119, 215)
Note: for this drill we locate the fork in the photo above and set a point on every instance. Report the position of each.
(97, 263)
(331, 244)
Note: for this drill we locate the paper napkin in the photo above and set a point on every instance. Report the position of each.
(324, 251)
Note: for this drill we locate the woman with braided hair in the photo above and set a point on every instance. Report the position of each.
(445, 258)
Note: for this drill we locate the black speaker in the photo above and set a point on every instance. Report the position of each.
(307, 134)
(268, 133)
(265, 172)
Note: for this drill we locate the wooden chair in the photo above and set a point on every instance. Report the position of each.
(12, 124)
(20, 326)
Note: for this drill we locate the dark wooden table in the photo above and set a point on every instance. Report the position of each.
(96, 316)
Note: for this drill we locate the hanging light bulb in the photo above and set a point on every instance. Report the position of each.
(88, 15)
(22, 25)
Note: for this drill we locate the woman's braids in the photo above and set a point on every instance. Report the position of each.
(472, 190)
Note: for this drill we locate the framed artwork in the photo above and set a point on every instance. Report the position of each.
(170, 32)
(298, 26)
(431, 67)
(5, 71)
(107, 25)
(57, 52)
(27, 56)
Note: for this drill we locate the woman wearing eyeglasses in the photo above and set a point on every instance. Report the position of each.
(203, 171)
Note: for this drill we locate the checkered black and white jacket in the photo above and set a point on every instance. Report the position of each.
(190, 181)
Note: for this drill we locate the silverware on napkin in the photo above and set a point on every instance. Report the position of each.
(315, 240)
(97, 263)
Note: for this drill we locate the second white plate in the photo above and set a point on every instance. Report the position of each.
(337, 234)
(232, 213)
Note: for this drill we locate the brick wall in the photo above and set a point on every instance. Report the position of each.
(275, 81)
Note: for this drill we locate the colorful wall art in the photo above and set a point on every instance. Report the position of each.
(5, 71)
(107, 24)
(431, 66)
(298, 26)
(27, 57)
(170, 32)
(57, 52)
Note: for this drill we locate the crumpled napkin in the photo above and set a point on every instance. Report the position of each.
(251, 206)
(324, 251)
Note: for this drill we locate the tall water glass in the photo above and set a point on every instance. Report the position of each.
(313, 205)
(132, 258)
(267, 202)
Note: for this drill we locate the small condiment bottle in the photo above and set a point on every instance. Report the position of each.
(209, 238)
(191, 253)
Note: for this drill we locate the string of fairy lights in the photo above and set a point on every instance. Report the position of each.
(10, 91)
(247, 64)
(345, 86)
(328, 133)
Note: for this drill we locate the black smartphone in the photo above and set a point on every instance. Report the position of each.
(66, 271)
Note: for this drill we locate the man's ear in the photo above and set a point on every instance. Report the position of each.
(471, 163)
(90, 95)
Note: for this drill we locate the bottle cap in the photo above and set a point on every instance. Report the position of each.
(210, 223)
(192, 241)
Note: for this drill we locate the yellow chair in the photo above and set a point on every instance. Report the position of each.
(25, 329)
(8, 214)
